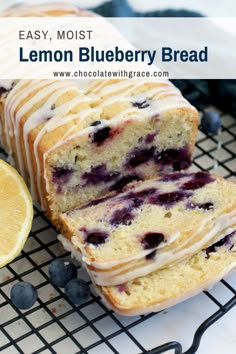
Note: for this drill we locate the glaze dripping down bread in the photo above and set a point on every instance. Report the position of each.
(150, 225)
(73, 146)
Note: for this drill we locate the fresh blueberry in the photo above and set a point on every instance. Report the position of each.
(141, 105)
(140, 156)
(95, 237)
(173, 177)
(122, 288)
(194, 184)
(95, 202)
(99, 174)
(2, 90)
(168, 199)
(101, 135)
(180, 159)
(122, 217)
(136, 199)
(225, 241)
(150, 137)
(95, 123)
(61, 176)
(77, 290)
(121, 183)
(203, 206)
(23, 295)
(199, 180)
(152, 240)
(211, 122)
(151, 255)
(61, 272)
(206, 206)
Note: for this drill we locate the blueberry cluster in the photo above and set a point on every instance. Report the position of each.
(63, 275)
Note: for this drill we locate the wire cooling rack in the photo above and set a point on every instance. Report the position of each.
(55, 325)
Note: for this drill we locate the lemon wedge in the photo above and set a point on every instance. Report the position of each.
(16, 213)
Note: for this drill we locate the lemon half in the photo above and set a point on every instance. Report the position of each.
(16, 213)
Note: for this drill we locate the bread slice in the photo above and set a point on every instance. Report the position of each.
(150, 225)
(167, 287)
(142, 129)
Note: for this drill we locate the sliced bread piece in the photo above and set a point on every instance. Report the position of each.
(167, 287)
(150, 225)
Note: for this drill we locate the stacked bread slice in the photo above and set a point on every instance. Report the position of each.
(147, 241)
(169, 286)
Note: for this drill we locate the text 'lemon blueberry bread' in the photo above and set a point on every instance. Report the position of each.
(169, 286)
(74, 146)
(150, 225)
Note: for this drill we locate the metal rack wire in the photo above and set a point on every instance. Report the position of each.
(55, 325)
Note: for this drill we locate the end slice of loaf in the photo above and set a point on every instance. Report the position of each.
(169, 286)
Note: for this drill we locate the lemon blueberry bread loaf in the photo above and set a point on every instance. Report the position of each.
(73, 146)
(158, 241)
(150, 225)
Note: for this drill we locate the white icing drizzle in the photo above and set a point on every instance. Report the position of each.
(145, 267)
(221, 222)
(12, 96)
(51, 88)
(224, 225)
(157, 92)
(61, 118)
(40, 115)
(13, 100)
(127, 86)
(35, 120)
